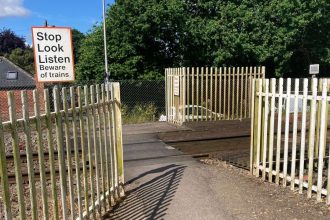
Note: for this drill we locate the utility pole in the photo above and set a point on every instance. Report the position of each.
(107, 74)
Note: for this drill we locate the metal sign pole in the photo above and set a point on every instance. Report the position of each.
(107, 74)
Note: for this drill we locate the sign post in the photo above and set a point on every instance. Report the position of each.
(53, 54)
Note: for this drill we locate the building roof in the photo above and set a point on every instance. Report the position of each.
(24, 80)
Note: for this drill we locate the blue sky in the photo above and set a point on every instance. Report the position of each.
(20, 15)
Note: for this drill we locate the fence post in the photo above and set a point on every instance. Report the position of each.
(322, 141)
(271, 129)
(311, 138)
(28, 147)
(279, 131)
(183, 78)
(118, 127)
(286, 131)
(166, 95)
(60, 148)
(303, 137)
(4, 175)
(265, 135)
(256, 84)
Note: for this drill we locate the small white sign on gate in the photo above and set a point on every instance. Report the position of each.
(314, 69)
(176, 85)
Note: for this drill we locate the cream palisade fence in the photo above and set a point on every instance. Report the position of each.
(65, 163)
(290, 138)
(209, 94)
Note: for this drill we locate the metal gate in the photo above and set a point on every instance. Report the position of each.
(209, 94)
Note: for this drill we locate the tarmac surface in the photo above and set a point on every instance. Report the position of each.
(165, 183)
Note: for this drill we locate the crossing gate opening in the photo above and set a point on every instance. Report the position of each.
(209, 93)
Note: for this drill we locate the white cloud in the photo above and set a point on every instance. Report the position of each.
(12, 8)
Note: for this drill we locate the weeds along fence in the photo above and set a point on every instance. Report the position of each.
(61, 163)
(290, 138)
(142, 100)
(209, 94)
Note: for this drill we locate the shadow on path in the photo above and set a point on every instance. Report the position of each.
(151, 199)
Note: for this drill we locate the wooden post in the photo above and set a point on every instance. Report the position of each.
(303, 137)
(323, 133)
(254, 124)
(83, 146)
(229, 92)
(250, 90)
(119, 140)
(311, 138)
(95, 148)
(76, 150)
(271, 130)
(193, 94)
(197, 94)
(259, 130)
(28, 146)
(221, 97)
(166, 94)
(101, 141)
(207, 93)
(241, 93)
(112, 144)
(265, 127)
(183, 94)
(4, 175)
(17, 159)
(188, 91)
(216, 98)
(294, 137)
(106, 141)
(51, 154)
(68, 150)
(279, 131)
(211, 94)
(225, 112)
(60, 148)
(246, 103)
(202, 92)
(286, 135)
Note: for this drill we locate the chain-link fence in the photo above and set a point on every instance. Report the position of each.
(142, 100)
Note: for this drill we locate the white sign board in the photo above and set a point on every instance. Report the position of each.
(176, 85)
(314, 69)
(53, 54)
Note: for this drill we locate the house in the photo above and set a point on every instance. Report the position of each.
(13, 78)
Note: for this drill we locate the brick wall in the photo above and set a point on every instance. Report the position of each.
(4, 109)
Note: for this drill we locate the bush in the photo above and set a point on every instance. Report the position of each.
(140, 113)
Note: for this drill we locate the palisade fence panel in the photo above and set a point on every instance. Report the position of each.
(61, 156)
(209, 93)
(290, 138)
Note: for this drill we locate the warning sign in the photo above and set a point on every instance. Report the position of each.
(176, 85)
(53, 54)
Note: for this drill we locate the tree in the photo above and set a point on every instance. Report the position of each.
(77, 38)
(10, 41)
(91, 65)
(23, 58)
(144, 37)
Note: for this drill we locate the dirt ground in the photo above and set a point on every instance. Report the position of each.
(270, 201)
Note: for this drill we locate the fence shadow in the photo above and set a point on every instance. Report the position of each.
(151, 199)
